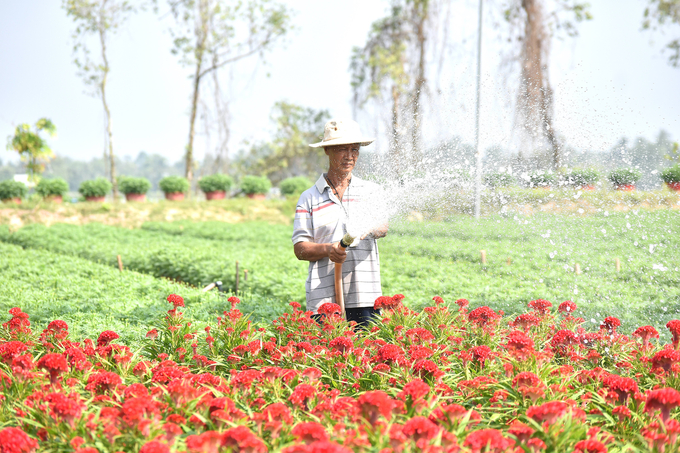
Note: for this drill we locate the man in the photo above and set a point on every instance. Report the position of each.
(321, 220)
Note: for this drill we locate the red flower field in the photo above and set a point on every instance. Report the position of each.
(442, 380)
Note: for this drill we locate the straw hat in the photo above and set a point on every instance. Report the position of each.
(342, 132)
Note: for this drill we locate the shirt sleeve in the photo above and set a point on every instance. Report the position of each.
(303, 226)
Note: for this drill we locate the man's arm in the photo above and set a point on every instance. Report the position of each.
(310, 251)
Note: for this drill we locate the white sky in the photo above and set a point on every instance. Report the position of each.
(609, 82)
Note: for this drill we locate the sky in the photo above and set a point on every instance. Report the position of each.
(611, 81)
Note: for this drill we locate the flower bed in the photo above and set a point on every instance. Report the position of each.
(441, 380)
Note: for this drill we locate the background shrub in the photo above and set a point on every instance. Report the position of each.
(174, 184)
(499, 180)
(12, 189)
(130, 184)
(216, 182)
(671, 174)
(295, 185)
(255, 184)
(582, 177)
(48, 187)
(541, 179)
(625, 176)
(95, 187)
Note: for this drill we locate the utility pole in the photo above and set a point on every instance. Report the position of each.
(478, 152)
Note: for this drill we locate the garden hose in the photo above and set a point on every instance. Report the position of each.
(339, 290)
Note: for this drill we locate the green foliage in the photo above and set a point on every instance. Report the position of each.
(32, 148)
(12, 189)
(499, 180)
(130, 184)
(54, 186)
(541, 179)
(174, 184)
(582, 177)
(660, 14)
(288, 154)
(625, 176)
(255, 184)
(295, 185)
(671, 174)
(95, 187)
(216, 182)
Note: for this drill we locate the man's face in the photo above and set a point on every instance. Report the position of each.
(343, 157)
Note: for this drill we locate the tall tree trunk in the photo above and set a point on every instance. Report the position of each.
(420, 80)
(109, 131)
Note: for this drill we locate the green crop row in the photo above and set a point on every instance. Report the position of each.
(93, 297)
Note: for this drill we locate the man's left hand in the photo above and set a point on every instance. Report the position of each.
(378, 233)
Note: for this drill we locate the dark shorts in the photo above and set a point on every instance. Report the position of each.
(361, 316)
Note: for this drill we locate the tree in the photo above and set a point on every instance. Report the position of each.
(210, 34)
(32, 148)
(660, 13)
(393, 63)
(288, 153)
(532, 26)
(99, 19)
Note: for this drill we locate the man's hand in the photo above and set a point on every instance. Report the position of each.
(337, 253)
(377, 233)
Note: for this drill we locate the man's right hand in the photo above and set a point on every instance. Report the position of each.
(337, 253)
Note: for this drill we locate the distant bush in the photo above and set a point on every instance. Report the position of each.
(671, 175)
(582, 177)
(50, 187)
(98, 187)
(541, 179)
(295, 185)
(215, 183)
(12, 189)
(130, 184)
(174, 184)
(255, 184)
(625, 176)
(499, 180)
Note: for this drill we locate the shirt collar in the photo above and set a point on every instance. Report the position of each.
(321, 183)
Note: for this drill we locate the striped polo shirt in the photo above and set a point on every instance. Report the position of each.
(321, 218)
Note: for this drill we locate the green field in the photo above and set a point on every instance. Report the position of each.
(418, 259)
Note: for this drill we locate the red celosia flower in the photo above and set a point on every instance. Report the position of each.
(427, 369)
(375, 403)
(562, 340)
(567, 307)
(462, 303)
(519, 345)
(520, 430)
(674, 327)
(646, 333)
(419, 334)
(540, 305)
(55, 364)
(57, 325)
(419, 428)
(329, 309)
(610, 324)
(665, 359)
(242, 439)
(152, 334)
(388, 303)
(548, 412)
(438, 300)
(483, 316)
(207, 442)
(176, 300)
(14, 440)
(481, 353)
(106, 337)
(390, 353)
(19, 324)
(526, 379)
(301, 394)
(418, 352)
(233, 300)
(317, 447)
(453, 412)
(415, 389)
(103, 381)
(11, 349)
(341, 344)
(309, 432)
(525, 320)
(65, 407)
(623, 386)
(487, 440)
(154, 447)
(664, 400)
(622, 411)
(590, 446)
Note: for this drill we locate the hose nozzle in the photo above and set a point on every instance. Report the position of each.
(347, 239)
